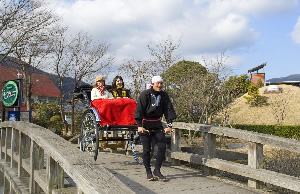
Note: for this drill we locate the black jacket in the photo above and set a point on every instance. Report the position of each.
(146, 108)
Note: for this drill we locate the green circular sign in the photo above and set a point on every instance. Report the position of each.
(10, 93)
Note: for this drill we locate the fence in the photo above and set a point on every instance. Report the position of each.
(25, 147)
(253, 171)
(33, 159)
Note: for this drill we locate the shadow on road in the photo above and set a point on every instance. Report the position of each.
(133, 185)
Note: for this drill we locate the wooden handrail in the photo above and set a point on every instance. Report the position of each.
(253, 171)
(27, 144)
(35, 142)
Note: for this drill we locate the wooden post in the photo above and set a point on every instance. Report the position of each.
(114, 134)
(10, 188)
(26, 143)
(255, 160)
(6, 186)
(8, 131)
(209, 151)
(6, 145)
(2, 141)
(34, 163)
(176, 145)
(12, 143)
(101, 135)
(39, 158)
(33, 146)
(2, 177)
(55, 175)
(20, 173)
(37, 164)
(128, 147)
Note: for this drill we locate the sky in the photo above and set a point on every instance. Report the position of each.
(252, 31)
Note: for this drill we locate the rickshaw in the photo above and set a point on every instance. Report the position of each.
(97, 130)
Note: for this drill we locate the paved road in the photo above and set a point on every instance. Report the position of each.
(180, 180)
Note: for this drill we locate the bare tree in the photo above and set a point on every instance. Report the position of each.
(202, 93)
(86, 58)
(280, 105)
(31, 54)
(25, 33)
(162, 57)
(216, 96)
(21, 20)
(61, 64)
(199, 92)
(163, 54)
(10, 14)
(139, 72)
(182, 89)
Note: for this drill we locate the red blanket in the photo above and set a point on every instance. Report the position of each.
(118, 111)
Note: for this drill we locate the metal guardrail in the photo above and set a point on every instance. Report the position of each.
(24, 147)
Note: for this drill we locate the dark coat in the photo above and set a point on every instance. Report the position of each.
(146, 108)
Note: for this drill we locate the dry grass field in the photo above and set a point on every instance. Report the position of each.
(281, 108)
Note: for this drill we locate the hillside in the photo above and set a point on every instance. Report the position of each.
(294, 77)
(282, 108)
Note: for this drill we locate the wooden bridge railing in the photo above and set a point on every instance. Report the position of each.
(253, 171)
(24, 147)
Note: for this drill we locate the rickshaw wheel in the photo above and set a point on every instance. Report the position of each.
(89, 134)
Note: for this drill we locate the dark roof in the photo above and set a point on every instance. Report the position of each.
(41, 84)
(257, 68)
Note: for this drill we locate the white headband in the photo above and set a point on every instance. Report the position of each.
(157, 79)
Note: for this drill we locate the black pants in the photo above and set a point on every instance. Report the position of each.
(160, 140)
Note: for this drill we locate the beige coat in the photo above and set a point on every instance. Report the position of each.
(96, 94)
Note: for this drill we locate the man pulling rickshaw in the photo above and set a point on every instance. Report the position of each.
(125, 114)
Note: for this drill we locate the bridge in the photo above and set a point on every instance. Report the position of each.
(35, 160)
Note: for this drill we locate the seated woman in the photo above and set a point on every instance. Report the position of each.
(118, 89)
(99, 90)
(118, 111)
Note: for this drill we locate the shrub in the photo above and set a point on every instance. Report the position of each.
(287, 131)
(254, 98)
(260, 83)
(44, 112)
(56, 123)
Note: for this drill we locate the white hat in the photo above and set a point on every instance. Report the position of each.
(156, 79)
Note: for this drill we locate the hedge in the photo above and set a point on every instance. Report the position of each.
(287, 131)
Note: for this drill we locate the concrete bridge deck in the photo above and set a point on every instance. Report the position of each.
(180, 180)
